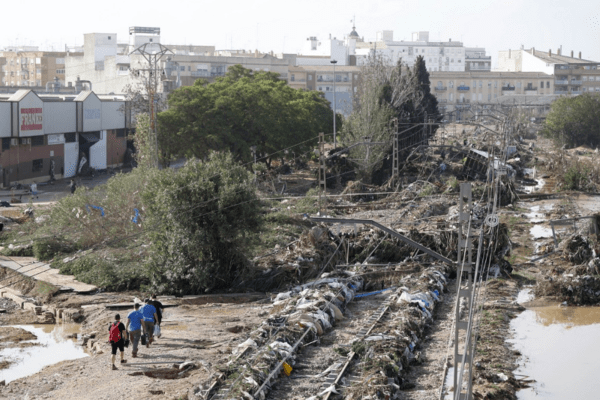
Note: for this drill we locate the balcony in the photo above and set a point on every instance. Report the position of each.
(508, 88)
(462, 88)
(575, 82)
(561, 92)
(561, 82)
(530, 88)
(440, 88)
(576, 92)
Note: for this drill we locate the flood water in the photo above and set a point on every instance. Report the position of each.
(53, 348)
(560, 350)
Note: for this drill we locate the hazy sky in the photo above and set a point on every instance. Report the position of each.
(285, 25)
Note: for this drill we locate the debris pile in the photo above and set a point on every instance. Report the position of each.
(386, 355)
(303, 314)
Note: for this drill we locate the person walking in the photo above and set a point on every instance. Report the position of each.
(116, 339)
(134, 327)
(149, 313)
(73, 186)
(159, 309)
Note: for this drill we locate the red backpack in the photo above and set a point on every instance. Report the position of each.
(115, 332)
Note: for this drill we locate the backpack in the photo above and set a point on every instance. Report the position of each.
(115, 333)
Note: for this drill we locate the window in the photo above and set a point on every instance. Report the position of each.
(120, 132)
(182, 68)
(459, 61)
(60, 71)
(70, 137)
(480, 83)
(292, 77)
(37, 140)
(38, 165)
(489, 96)
(60, 60)
(451, 84)
(584, 78)
(451, 96)
(519, 84)
(310, 77)
(109, 37)
(150, 39)
(5, 143)
(495, 84)
(38, 60)
(542, 85)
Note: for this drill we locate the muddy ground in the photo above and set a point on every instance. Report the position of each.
(207, 334)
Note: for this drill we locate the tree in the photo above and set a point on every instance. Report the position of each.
(428, 104)
(201, 216)
(574, 121)
(384, 92)
(241, 109)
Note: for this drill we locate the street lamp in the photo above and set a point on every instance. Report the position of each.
(334, 105)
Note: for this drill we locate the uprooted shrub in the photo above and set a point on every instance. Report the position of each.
(200, 220)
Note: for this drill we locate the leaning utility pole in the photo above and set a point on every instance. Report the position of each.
(152, 55)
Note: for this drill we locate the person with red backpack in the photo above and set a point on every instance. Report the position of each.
(116, 336)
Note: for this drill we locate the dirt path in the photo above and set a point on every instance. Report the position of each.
(203, 335)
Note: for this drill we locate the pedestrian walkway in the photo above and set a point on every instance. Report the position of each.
(29, 266)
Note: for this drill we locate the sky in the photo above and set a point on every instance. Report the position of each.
(284, 26)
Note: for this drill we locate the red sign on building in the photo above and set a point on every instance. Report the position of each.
(31, 119)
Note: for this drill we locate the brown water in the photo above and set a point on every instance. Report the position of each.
(561, 352)
(52, 347)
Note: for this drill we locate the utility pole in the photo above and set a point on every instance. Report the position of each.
(152, 56)
(322, 176)
(334, 105)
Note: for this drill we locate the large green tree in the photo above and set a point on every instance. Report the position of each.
(574, 121)
(240, 110)
(200, 219)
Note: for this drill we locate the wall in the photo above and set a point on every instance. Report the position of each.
(5, 119)
(112, 114)
(534, 64)
(59, 117)
(19, 160)
(115, 148)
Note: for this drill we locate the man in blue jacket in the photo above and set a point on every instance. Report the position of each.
(149, 314)
(134, 326)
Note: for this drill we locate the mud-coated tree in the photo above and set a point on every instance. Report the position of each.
(200, 218)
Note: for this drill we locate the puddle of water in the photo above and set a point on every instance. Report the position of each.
(53, 348)
(560, 348)
(536, 188)
(535, 215)
(525, 296)
(540, 232)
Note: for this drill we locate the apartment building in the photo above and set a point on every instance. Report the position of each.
(458, 90)
(108, 64)
(321, 78)
(45, 135)
(450, 56)
(477, 60)
(26, 66)
(571, 75)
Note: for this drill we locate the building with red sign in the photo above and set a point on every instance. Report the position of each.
(45, 135)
